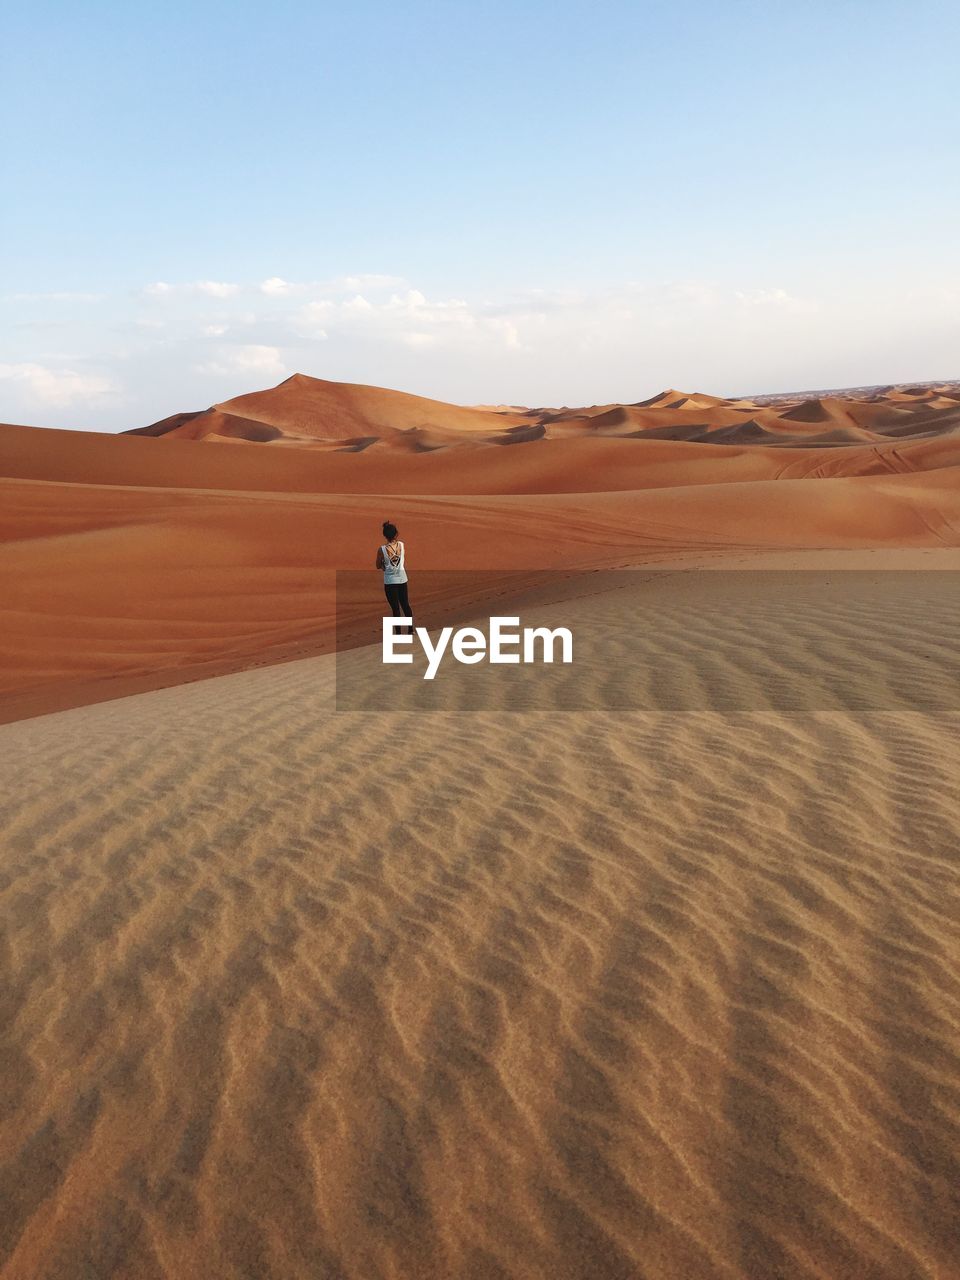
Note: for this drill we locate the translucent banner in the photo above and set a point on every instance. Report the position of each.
(652, 640)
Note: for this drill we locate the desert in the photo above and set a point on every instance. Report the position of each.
(305, 981)
(133, 561)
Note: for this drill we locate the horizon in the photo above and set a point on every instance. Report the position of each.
(516, 207)
(758, 397)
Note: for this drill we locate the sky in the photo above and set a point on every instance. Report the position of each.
(488, 202)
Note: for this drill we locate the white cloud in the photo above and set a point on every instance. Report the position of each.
(207, 288)
(254, 359)
(215, 289)
(64, 296)
(257, 357)
(370, 282)
(698, 293)
(315, 311)
(272, 287)
(408, 319)
(276, 287)
(58, 388)
(184, 344)
(779, 299)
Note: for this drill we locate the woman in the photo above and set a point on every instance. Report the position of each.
(390, 558)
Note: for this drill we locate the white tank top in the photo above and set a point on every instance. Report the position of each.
(393, 568)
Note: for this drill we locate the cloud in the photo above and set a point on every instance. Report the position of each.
(272, 287)
(778, 299)
(58, 388)
(60, 296)
(316, 312)
(370, 282)
(408, 319)
(254, 359)
(275, 287)
(206, 288)
(214, 289)
(183, 344)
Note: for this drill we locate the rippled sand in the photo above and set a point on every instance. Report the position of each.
(291, 992)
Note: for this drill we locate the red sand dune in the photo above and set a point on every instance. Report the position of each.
(151, 557)
(310, 412)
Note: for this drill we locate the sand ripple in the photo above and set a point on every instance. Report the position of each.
(295, 993)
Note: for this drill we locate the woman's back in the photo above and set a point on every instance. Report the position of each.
(394, 569)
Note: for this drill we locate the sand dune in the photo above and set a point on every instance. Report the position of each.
(160, 558)
(142, 582)
(307, 409)
(303, 993)
(311, 412)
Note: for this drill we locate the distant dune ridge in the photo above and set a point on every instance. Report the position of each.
(312, 413)
(156, 559)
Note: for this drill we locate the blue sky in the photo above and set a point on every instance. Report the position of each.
(527, 202)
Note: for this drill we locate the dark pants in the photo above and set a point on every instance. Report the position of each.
(396, 593)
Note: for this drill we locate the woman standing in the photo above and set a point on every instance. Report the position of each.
(391, 559)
